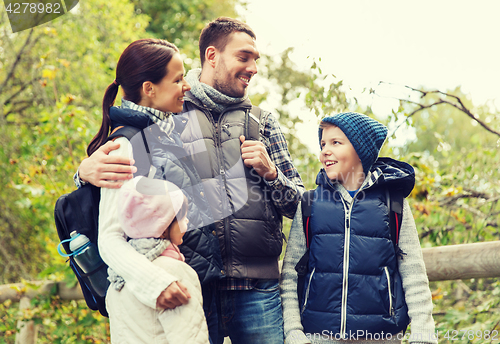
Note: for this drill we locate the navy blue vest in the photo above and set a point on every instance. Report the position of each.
(353, 282)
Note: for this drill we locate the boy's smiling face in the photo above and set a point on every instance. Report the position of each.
(339, 158)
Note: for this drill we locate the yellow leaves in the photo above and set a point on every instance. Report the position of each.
(35, 169)
(67, 99)
(19, 288)
(452, 191)
(64, 62)
(50, 31)
(49, 73)
(25, 178)
(437, 294)
(422, 208)
(459, 218)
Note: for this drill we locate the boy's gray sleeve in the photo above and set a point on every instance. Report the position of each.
(296, 247)
(415, 282)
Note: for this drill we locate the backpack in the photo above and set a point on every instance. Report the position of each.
(79, 211)
(394, 203)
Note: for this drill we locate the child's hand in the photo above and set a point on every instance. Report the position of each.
(175, 295)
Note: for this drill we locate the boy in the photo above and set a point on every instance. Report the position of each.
(359, 287)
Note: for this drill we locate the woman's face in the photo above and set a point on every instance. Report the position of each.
(168, 94)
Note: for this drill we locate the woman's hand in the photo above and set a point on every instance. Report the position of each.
(175, 295)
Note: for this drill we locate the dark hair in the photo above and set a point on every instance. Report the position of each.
(324, 125)
(217, 32)
(143, 60)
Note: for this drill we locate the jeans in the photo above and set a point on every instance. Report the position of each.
(250, 316)
(209, 292)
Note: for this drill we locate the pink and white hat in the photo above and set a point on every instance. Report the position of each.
(148, 206)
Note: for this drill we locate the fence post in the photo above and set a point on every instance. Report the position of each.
(27, 330)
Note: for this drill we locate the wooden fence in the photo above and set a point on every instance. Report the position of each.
(443, 263)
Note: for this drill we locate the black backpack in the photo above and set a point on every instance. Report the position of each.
(79, 211)
(394, 203)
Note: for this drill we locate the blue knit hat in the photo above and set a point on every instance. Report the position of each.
(365, 134)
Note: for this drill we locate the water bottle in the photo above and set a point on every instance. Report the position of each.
(86, 256)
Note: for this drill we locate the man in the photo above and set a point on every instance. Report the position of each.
(248, 227)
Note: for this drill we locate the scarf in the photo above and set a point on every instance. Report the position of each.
(152, 248)
(164, 120)
(209, 96)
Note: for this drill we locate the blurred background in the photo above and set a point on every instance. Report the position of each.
(429, 70)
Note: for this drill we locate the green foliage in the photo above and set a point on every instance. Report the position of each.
(297, 94)
(181, 22)
(456, 199)
(52, 79)
(50, 110)
(57, 321)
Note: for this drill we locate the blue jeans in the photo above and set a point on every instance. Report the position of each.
(250, 316)
(209, 292)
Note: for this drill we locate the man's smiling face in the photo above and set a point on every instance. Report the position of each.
(236, 65)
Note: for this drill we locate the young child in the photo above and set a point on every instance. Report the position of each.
(358, 288)
(152, 214)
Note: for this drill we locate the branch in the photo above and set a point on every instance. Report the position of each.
(22, 88)
(451, 228)
(19, 109)
(16, 62)
(459, 106)
(471, 194)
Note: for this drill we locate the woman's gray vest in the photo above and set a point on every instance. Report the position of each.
(248, 226)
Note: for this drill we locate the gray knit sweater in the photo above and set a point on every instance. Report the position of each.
(413, 274)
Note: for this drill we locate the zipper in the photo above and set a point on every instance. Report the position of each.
(307, 292)
(391, 311)
(227, 229)
(226, 126)
(345, 278)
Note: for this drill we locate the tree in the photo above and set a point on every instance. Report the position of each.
(456, 197)
(291, 94)
(181, 22)
(50, 95)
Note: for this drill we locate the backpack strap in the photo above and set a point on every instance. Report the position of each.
(252, 123)
(306, 207)
(129, 132)
(394, 201)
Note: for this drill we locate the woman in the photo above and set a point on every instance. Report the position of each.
(151, 74)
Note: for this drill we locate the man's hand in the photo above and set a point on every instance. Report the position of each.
(175, 295)
(254, 154)
(101, 169)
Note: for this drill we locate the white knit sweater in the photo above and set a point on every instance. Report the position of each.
(413, 274)
(145, 280)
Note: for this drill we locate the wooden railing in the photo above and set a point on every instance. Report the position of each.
(442, 263)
